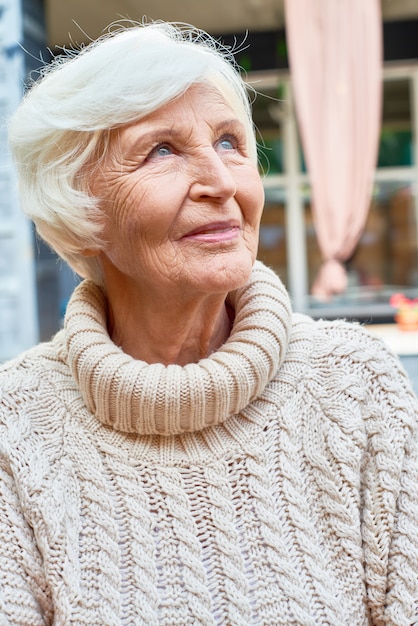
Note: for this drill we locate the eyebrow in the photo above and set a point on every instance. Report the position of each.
(144, 140)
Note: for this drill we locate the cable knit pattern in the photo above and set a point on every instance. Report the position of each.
(273, 483)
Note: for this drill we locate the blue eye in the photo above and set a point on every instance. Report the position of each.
(163, 150)
(227, 144)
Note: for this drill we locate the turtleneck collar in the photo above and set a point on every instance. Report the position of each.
(135, 397)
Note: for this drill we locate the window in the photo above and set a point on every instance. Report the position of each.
(386, 257)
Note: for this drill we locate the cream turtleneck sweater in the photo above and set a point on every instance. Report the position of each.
(275, 482)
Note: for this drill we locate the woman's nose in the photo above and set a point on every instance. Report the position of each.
(212, 178)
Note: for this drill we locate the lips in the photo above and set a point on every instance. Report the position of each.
(215, 229)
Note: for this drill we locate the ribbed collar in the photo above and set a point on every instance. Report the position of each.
(136, 397)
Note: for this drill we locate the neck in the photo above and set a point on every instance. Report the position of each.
(133, 397)
(162, 330)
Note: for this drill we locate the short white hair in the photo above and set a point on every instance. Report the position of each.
(62, 125)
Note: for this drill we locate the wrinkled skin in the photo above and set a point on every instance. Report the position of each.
(183, 202)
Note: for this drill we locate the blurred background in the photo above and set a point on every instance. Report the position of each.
(35, 285)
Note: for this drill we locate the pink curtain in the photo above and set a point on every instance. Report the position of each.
(335, 54)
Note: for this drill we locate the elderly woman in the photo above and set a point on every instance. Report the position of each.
(185, 450)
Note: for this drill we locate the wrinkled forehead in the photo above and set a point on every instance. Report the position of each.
(202, 102)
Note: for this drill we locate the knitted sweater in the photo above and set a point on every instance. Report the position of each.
(275, 482)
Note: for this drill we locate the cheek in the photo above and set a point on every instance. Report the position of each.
(252, 197)
(126, 205)
(143, 219)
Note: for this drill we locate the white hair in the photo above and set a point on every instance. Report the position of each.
(62, 125)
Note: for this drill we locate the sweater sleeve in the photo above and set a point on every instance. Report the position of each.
(402, 596)
(23, 593)
(390, 491)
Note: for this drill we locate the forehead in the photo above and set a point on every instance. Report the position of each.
(199, 100)
(200, 103)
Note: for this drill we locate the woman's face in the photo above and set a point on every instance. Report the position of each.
(182, 198)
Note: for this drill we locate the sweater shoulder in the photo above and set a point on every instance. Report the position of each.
(342, 338)
(345, 355)
(40, 357)
(29, 380)
(335, 352)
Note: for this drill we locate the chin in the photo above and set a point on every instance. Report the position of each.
(228, 275)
